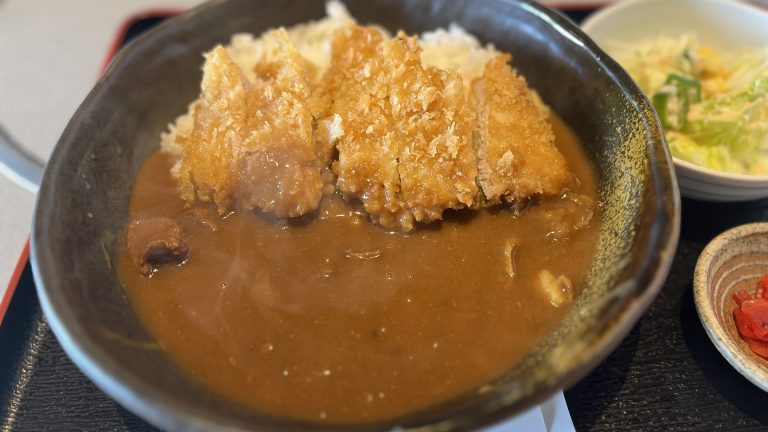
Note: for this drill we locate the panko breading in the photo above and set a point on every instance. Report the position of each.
(409, 132)
(405, 149)
(251, 144)
(517, 157)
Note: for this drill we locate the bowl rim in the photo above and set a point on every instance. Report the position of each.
(606, 13)
(157, 407)
(734, 178)
(717, 334)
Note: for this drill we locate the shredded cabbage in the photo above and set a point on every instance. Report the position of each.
(714, 109)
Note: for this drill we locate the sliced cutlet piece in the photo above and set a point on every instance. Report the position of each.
(355, 89)
(516, 153)
(405, 150)
(251, 145)
(437, 164)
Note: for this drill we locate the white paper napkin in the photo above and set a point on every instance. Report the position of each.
(550, 416)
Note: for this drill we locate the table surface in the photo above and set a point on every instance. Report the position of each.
(666, 373)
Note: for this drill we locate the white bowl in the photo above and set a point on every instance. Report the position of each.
(724, 25)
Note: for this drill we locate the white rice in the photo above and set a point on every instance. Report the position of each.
(456, 49)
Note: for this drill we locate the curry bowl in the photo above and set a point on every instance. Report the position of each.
(83, 208)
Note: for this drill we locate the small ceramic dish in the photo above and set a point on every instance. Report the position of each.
(721, 24)
(733, 261)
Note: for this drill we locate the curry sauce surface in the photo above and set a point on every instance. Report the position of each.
(331, 317)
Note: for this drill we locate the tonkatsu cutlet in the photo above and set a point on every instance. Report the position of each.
(406, 150)
(516, 154)
(407, 133)
(251, 144)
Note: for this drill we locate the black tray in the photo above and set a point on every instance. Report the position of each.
(665, 375)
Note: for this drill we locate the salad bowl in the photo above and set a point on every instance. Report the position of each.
(725, 27)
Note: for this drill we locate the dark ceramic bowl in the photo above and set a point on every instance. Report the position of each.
(83, 205)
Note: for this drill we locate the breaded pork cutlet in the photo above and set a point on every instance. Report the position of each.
(406, 149)
(251, 145)
(413, 133)
(517, 157)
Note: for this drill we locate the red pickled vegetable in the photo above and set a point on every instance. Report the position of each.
(756, 313)
(742, 325)
(741, 296)
(759, 347)
(761, 291)
(751, 316)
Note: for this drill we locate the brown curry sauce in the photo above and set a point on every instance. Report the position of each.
(330, 317)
